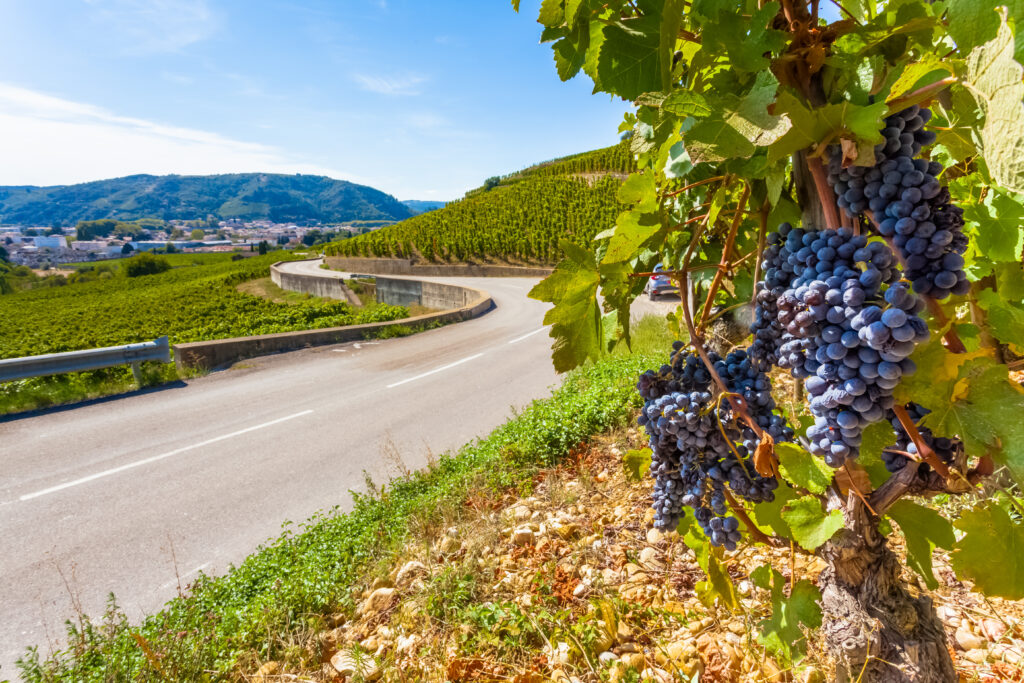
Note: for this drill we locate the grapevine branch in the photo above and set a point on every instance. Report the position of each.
(723, 265)
(738, 510)
(825, 194)
(920, 95)
(923, 449)
(762, 238)
(693, 185)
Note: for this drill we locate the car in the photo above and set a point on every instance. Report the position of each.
(659, 285)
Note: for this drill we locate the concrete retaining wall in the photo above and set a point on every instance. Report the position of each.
(385, 266)
(326, 286)
(211, 354)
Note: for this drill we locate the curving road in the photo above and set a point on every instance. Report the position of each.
(134, 494)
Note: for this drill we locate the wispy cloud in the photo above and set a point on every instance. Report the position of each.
(391, 85)
(179, 79)
(148, 26)
(48, 140)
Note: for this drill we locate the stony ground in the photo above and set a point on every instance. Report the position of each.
(572, 585)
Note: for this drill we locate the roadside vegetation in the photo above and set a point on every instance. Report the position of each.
(222, 627)
(183, 296)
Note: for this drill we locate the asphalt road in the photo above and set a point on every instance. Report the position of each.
(136, 494)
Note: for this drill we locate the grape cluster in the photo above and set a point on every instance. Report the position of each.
(947, 450)
(831, 310)
(910, 205)
(700, 446)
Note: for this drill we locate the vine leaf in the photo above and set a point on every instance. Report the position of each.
(810, 525)
(576, 321)
(998, 221)
(924, 530)
(1005, 319)
(637, 463)
(973, 23)
(632, 229)
(874, 439)
(984, 407)
(781, 633)
(719, 584)
(802, 469)
(629, 63)
(769, 515)
(811, 126)
(993, 76)
(991, 552)
(745, 41)
(914, 73)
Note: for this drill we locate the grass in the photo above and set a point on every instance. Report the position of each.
(293, 584)
(265, 288)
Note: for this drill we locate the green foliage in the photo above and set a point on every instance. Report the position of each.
(802, 469)
(191, 303)
(783, 633)
(285, 587)
(924, 530)
(270, 196)
(637, 463)
(145, 264)
(991, 551)
(718, 585)
(808, 524)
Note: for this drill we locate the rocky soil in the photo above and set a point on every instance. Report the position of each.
(572, 585)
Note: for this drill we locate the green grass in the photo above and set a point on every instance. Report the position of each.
(227, 624)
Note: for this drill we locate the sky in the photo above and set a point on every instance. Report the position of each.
(423, 100)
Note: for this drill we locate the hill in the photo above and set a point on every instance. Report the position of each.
(518, 218)
(423, 205)
(248, 196)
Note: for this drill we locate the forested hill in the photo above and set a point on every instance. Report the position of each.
(249, 196)
(520, 217)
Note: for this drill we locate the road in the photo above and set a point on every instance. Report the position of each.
(134, 494)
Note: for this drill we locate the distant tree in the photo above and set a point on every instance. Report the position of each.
(264, 247)
(145, 264)
(4, 256)
(312, 237)
(54, 231)
(198, 234)
(169, 248)
(222, 234)
(491, 183)
(87, 230)
(177, 234)
(127, 248)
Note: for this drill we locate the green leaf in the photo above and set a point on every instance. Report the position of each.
(781, 633)
(802, 469)
(993, 77)
(984, 408)
(862, 124)
(976, 22)
(640, 188)
(769, 515)
(684, 103)
(671, 18)
(571, 51)
(1010, 281)
(637, 463)
(1005, 319)
(874, 439)
(552, 13)
(575, 320)
(912, 75)
(810, 524)
(924, 530)
(629, 63)
(1000, 226)
(632, 229)
(991, 552)
(745, 41)
(719, 584)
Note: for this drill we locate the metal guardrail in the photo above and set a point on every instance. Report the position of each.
(89, 359)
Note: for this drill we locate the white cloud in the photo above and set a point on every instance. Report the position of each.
(46, 140)
(393, 85)
(148, 26)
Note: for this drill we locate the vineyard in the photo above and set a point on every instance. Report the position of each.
(189, 303)
(522, 219)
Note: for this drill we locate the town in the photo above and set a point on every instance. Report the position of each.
(48, 246)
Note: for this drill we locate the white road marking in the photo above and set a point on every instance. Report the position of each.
(435, 370)
(530, 334)
(177, 579)
(147, 461)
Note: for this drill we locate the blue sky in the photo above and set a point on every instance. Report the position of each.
(420, 99)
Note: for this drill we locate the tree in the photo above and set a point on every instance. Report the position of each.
(750, 117)
(145, 264)
(169, 248)
(198, 234)
(127, 248)
(264, 248)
